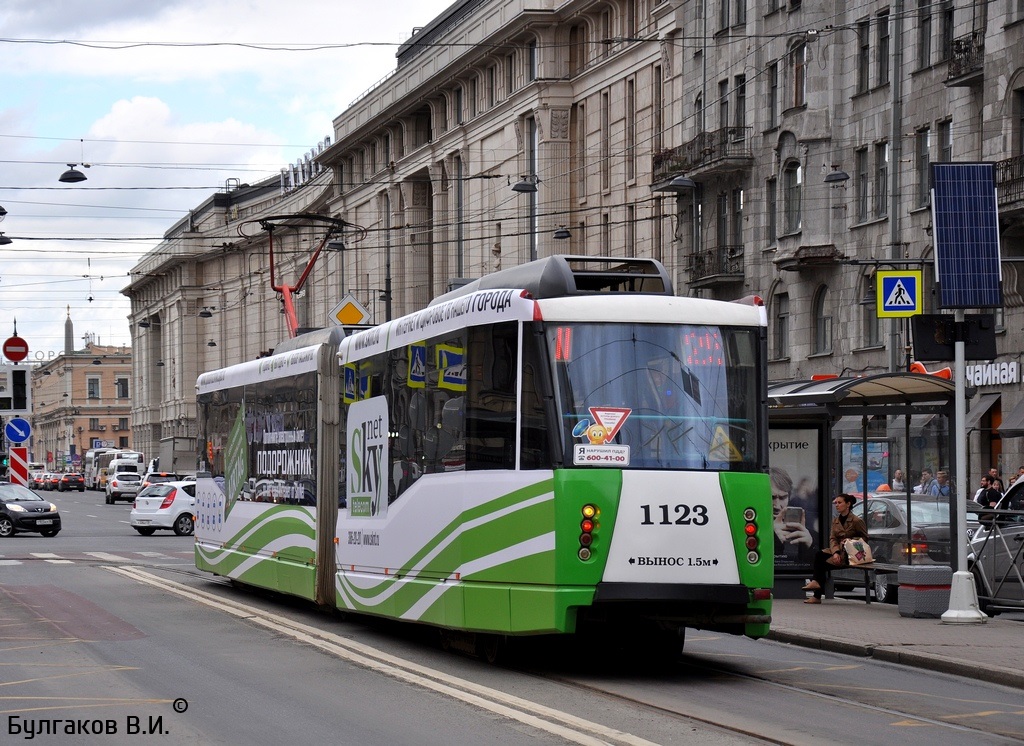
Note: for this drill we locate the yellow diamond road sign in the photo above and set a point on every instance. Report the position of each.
(349, 311)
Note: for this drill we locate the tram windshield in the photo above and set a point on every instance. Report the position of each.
(657, 396)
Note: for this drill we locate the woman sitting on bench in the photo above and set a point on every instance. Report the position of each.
(845, 526)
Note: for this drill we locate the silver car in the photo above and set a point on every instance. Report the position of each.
(997, 554)
(123, 486)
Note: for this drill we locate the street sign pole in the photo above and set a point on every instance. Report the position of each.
(963, 595)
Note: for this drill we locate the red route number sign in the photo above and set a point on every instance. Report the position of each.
(15, 349)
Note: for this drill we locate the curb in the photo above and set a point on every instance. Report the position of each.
(958, 667)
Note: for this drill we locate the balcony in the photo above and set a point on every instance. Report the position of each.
(809, 257)
(722, 264)
(967, 60)
(721, 151)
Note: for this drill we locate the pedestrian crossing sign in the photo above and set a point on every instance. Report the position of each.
(898, 293)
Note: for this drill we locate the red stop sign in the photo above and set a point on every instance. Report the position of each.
(15, 349)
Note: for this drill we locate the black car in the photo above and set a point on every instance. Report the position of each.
(21, 509)
(71, 481)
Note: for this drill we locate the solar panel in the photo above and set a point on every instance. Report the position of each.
(965, 222)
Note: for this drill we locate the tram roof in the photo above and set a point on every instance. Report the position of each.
(862, 391)
(564, 275)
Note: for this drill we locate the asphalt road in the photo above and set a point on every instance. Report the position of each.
(102, 624)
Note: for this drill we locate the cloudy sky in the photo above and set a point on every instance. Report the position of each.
(165, 100)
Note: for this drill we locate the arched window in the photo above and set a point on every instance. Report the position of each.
(822, 342)
(792, 184)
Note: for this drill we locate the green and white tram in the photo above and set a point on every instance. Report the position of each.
(561, 446)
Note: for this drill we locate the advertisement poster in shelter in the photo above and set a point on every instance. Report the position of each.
(794, 460)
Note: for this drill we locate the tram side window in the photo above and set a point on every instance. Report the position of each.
(492, 352)
(425, 387)
(535, 452)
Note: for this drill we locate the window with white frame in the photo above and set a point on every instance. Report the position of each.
(92, 387)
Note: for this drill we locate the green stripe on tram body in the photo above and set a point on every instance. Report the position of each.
(273, 549)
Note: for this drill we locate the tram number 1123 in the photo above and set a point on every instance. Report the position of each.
(686, 515)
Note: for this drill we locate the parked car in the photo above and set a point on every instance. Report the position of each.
(167, 505)
(122, 486)
(929, 538)
(159, 477)
(71, 481)
(996, 553)
(21, 509)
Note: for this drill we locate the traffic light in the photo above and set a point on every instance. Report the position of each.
(19, 390)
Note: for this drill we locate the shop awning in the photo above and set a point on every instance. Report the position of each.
(979, 407)
(1013, 423)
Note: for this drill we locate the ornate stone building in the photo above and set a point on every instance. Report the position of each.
(777, 147)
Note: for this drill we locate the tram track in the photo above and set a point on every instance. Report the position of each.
(564, 725)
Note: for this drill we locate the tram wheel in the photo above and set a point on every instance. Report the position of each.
(491, 648)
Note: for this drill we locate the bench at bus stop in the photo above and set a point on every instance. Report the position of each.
(924, 590)
(869, 570)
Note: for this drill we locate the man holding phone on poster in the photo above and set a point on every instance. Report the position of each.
(792, 538)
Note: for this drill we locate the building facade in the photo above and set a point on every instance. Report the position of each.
(81, 399)
(203, 300)
(515, 129)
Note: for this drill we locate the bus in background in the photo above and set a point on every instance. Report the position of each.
(90, 470)
(101, 460)
(560, 447)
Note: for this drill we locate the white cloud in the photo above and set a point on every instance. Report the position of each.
(224, 106)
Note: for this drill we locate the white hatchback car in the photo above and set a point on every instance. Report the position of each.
(168, 505)
(122, 486)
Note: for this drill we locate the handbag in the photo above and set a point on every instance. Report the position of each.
(858, 552)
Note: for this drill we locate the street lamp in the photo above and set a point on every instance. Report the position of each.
(72, 175)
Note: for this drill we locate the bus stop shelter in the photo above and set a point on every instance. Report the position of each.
(852, 434)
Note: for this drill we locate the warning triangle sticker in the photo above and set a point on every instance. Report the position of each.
(722, 447)
(610, 418)
(900, 296)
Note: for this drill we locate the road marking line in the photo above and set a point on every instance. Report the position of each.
(107, 557)
(44, 555)
(569, 727)
(60, 562)
(10, 562)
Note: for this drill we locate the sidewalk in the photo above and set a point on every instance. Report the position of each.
(993, 651)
